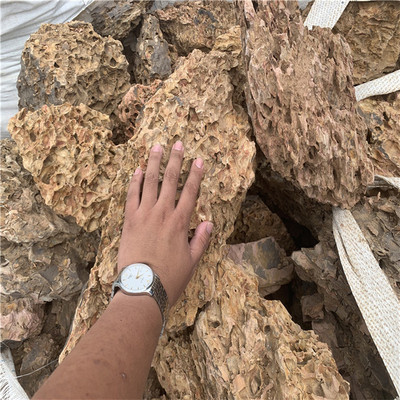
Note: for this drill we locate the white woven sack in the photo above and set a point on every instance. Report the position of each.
(371, 289)
(325, 13)
(383, 85)
(10, 389)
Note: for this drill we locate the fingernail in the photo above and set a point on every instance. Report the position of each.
(209, 227)
(199, 163)
(178, 146)
(157, 148)
(137, 171)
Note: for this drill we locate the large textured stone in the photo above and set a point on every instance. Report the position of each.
(194, 105)
(44, 257)
(301, 101)
(68, 152)
(71, 63)
(343, 326)
(245, 347)
(152, 59)
(196, 24)
(266, 260)
(383, 121)
(114, 18)
(379, 219)
(256, 221)
(372, 30)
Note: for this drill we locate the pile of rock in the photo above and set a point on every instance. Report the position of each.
(270, 107)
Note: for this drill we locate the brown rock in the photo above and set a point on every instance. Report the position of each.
(193, 25)
(383, 121)
(152, 60)
(372, 30)
(201, 114)
(68, 151)
(356, 353)
(245, 347)
(312, 307)
(131, 107)
(379, 219)
(114, 18)
(256, 221)
(71, 63)
(265, 260)
(301, 101)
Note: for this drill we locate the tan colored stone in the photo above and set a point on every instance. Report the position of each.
(372, 30)
(265, 260)
(243, 347)
(152, 60)
(194, 105)
(383, 121)
(68, 152)
(301, 101)
(193, 25)
(256, 221)
(71, 63)
(114, 18)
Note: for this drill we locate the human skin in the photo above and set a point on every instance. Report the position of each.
(113, 359)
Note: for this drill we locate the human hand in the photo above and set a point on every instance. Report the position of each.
(155, 231)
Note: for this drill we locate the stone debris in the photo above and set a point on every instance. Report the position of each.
(218, 76)
(265, 260)
(114, 18)
(193, 25)
(152, 60)
(383, 121)
(372, 30)
(256, 221)
(301, 101)
(72, 63)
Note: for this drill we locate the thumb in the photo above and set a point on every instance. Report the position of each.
(200, 241)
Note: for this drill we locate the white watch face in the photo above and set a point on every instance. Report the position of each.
(136, 278)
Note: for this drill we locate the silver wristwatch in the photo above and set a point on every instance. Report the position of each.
(139, 279)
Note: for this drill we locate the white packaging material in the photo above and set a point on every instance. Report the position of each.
(383, 85)
(325, 13)
(371, 289)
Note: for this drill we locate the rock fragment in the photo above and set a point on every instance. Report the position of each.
(265, 260)
(256, 221)
(114, 18)
(301, 101)
(372, 29)
(194, 105)
(71, 63)
(68, 152)
(243, 346)
(152, 60)
(382, 117)
(193, 25)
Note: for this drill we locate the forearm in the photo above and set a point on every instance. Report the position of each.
(113, 359)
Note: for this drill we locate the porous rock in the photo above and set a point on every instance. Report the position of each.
(372, 29)
(301, 101)
(114, 18)
(44, 257)
(243, 346)
(152, 59)
(382, 117)
(352, 345)
(195, 106)
(71, 63)
(68, 152)
(378, 217)
(130, 108)
(193, 25)
(256, 221)
(266, 260)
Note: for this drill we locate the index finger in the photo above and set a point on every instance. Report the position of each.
(190, 191)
